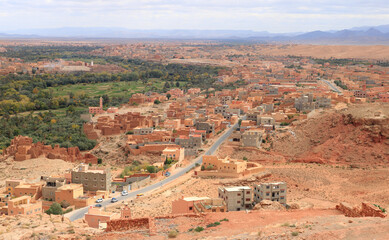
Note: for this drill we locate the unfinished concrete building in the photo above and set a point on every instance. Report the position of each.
(270, 191)
(93, 179)
(251, 138)
(237, 198)
(52, 184)
(304, 103)
(266, 121)
(208, 127)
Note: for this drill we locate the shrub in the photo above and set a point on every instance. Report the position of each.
(294, 234)
(209, 167)
(224, 220)
(381, 208)
(199, 229)
(211, 225)
(99, 161)
(245, 158)
(55, 209)
(156, 101)
(172, 234)
(68, 210)
(151, 169)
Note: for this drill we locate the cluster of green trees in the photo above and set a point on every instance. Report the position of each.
(20, 93)
(38, 53)
(23, 92)
(341, 61)
(46, 127)
(340, 84)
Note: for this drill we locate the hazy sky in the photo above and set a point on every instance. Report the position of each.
(260, 15)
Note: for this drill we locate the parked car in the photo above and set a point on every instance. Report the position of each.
(124, 193)
(98, 205)
(139, 194)
(100, 200)
(113, 200)
(167, 174)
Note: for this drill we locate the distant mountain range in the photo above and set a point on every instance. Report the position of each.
(357, 35)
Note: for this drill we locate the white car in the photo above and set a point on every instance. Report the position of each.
(99, 200)
(124, 193)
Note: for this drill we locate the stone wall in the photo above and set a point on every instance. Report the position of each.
(365, 210)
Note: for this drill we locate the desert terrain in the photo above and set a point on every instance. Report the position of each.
(328, 51)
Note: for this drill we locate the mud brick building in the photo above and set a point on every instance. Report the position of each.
(24, 205)
(97, 110)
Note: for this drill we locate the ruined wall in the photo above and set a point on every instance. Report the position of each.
(22, 148)
(128, 224)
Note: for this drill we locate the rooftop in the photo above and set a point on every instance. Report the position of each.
(235, 189)
(70, 186)
(190, 199)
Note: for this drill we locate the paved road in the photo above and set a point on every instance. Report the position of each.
(79, 213)
(332, 86)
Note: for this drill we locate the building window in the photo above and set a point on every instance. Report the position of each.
(238, 202)
(247, 199)
(190, 208)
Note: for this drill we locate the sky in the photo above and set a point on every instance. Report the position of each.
(275, 16)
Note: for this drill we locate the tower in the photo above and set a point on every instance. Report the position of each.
(125, 211)
(101, 103)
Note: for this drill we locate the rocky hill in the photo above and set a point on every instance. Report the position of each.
(356, 136)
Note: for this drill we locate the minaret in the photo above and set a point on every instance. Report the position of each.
(101, 103)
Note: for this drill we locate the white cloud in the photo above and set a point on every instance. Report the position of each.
(271, 15)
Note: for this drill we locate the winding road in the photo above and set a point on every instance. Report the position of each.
(79, 213)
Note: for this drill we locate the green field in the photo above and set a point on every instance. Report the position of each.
(112, 89)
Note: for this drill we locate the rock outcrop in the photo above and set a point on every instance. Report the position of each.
(365, 210)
